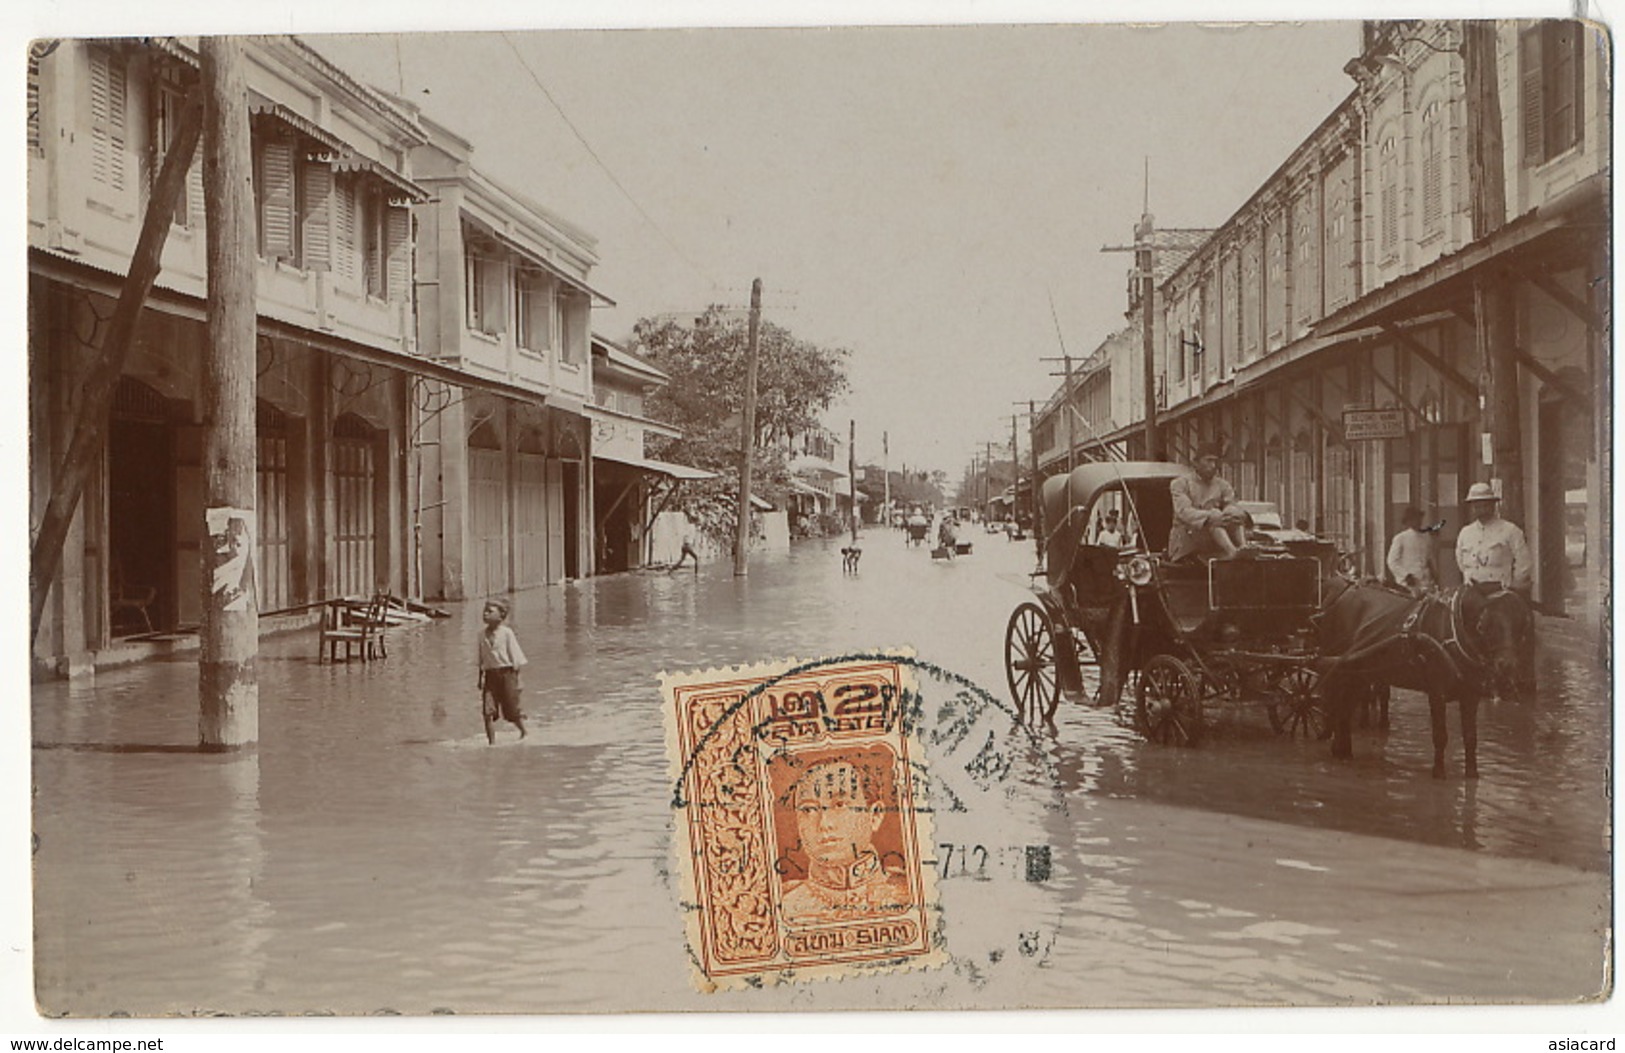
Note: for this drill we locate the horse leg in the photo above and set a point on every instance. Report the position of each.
(1383, 694)
(1339, 696)
(1441, 732)
(1469, 733)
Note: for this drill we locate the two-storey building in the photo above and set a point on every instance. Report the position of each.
(1339, 333)
(503, 475)
(332, 201)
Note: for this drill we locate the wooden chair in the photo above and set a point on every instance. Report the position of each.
(354, 628)
(125, 597)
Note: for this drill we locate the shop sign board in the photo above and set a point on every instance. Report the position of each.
(1367, 424)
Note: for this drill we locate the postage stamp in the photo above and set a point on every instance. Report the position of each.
(802, 833)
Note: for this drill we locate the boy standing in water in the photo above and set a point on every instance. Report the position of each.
(500, 662)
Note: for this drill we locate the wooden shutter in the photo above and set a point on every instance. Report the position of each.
(494, 299)
(34, 140)
(1532, 73)
(317, 222)
(398, 232)
(108, 110)
(194, 190)
(1432, 178)
(344, 250)
(1563, 106)
(276, 199)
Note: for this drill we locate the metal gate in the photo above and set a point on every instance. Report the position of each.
(530, 520)
(488, 521)
(354, 484)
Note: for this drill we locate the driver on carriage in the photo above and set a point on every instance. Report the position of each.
(1207, 523)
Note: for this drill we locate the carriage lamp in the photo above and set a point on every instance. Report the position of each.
(1138, 571)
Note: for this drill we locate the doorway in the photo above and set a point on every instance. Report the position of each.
(140, 513)
(572, 519)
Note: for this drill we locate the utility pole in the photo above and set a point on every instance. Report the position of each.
(747, 436)
(228, 685)
(1494, 318)
(1144, 262)
(885, 471)
(1038, 503)
(1068, 410)
(852, 473)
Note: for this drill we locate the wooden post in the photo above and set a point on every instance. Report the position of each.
(1037, 498)
(73, 469)
(228, 688)
(852, 474)
(747, 436)
(1494, 319)
(885, 471)
(1144, 262)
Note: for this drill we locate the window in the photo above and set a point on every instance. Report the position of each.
(1432, 170)
(35, 53)
(373, 216)
(169, 101)
(1388, 205)
(1552, 75)
(573, 308)
(277, 200)
(1179, 357)
(533, 310)
(109, 101)
(1251, 300)
(484, 288)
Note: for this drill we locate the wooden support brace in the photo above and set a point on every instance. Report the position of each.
(1426, 354)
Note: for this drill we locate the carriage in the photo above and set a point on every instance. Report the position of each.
(1185, 637)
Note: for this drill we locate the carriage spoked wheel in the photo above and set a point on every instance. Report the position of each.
(1299, 711)
(1030, 661)
(1167, 704)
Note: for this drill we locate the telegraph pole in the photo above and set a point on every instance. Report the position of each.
(228, 685)
(1070, 412)
(885, 471)
(987, 480)
(852, 473)
(747, 436)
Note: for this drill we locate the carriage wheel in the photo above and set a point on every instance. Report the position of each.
(1167, 707)
(1030, 661)
(1299, 711)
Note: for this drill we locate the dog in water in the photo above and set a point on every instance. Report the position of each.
(849, 559)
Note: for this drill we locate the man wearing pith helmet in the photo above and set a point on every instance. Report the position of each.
(1490, 549)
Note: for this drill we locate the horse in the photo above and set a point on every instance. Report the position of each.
(1458, 645)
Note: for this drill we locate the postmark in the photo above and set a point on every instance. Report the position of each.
(867, 814)
(803, 839)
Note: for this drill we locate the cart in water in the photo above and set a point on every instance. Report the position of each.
(1176, 638)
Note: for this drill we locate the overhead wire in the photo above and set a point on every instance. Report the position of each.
(613, 178)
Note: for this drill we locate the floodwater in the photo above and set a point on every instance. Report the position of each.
(373, 854)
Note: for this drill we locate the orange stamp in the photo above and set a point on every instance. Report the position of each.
(801, 828)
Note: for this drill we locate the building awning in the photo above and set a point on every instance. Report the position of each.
(339, 155)
(797, 486)
(761, 504)
(531, 256)
(681, 472)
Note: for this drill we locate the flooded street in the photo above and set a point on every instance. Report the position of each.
(374, 854)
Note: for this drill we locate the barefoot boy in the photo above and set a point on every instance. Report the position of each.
(500, 662)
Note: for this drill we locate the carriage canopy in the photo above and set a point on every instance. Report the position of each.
(1139, 489)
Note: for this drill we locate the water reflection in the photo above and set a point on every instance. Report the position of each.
(374, 854)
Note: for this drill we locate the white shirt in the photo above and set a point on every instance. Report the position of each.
(1494, 550)
(1411, 555)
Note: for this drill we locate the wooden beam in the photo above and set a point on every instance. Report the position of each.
(1335, 427)
(1544, 281)
(1547, 376)
(1426, 354)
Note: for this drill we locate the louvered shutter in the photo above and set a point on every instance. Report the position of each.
(34, 141)
(1532, 96)
(1432, 178)
(344, 249)
(276, 200)
(107, 116)
(1562, 108)
(317, 221)
(398, 232)
(194, 190)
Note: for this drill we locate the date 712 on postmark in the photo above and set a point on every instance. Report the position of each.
(800, 822)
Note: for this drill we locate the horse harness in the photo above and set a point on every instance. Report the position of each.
(1456, 649)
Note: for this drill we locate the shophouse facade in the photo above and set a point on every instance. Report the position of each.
(332, 201)
(630, 489)
(503, 481)
(1338, 335)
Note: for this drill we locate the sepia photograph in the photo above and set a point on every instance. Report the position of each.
(709, 515)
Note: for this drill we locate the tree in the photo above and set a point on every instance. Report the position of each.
(797, 381)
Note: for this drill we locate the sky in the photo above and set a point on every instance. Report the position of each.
(933, 199)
